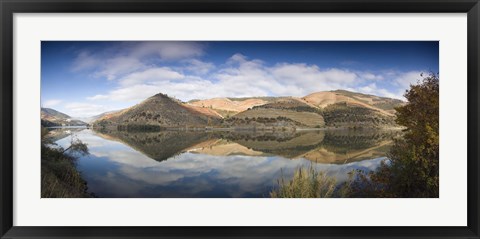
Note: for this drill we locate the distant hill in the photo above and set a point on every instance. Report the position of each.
(50, 118)
(95, 117)
(381, 104)
(159, 111)
(338, 108)
(230, 106)
(288, 109)
(343, 108)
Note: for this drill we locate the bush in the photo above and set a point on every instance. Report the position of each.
(412, 168)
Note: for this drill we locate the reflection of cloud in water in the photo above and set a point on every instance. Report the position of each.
(116, 170)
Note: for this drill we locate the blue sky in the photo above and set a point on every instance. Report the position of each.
(87, 78)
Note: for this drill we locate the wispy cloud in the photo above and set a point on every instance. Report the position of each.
(152, 75)
(199, 67)
(112, 63)
(85, 61)
(79, 109)
(405, 79)
(168, 50)
(242, 77)
(117, 66)
(51, 103)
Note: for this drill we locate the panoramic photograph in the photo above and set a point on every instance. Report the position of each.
(239, 119)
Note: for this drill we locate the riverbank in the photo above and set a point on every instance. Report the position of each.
(60, 178)
(59, 175)
(242, 128)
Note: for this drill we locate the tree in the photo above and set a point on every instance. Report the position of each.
(411, 169)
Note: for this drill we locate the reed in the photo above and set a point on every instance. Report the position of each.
(306, 183)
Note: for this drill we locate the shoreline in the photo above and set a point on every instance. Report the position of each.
(245, 129)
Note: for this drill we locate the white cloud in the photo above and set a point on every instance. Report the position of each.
(199, 67)
(372, 89)
(133, 93)
(281, 79)
(371, 76)
(242, 77)
(97, 97)
(405, 79)
(310, 78)
(84, 61)
(51, 103)
(399, 81)
(138, 56)
(155, 75)
(79, 109)
(114, 67)
(237, 58)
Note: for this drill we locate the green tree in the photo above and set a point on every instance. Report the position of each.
(413, 161)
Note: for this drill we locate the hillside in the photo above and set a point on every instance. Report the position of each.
(289, 111)
(50, 118)
(229, 106)
(338, 108)
(343, 108)
(351, 115)
(381, 104)
(159, 111)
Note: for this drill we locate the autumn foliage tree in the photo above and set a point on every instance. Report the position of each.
(412, 167)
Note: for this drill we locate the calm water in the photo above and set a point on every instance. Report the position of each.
(216, 164)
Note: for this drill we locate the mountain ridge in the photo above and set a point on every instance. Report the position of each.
(339, 108)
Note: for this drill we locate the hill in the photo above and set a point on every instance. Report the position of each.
(159, 111)
(343, 108)
(95, 117)
(50, 118)
(383, 105)
(286, 111)
(338, 108)
(230, 106)
(350, 115)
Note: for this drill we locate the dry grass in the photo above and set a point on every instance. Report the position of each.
(59, 176)
(306, 183)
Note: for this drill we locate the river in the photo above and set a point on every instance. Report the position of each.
(180, 164)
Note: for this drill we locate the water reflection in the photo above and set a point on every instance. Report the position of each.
(218, 164)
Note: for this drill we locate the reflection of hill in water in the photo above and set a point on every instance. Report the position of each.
(56, 134)
(223, 147)
(342, 146)
(289, 147)
(156, 145)
(336, 146)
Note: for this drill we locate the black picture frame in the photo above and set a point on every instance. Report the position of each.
(9, 7)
